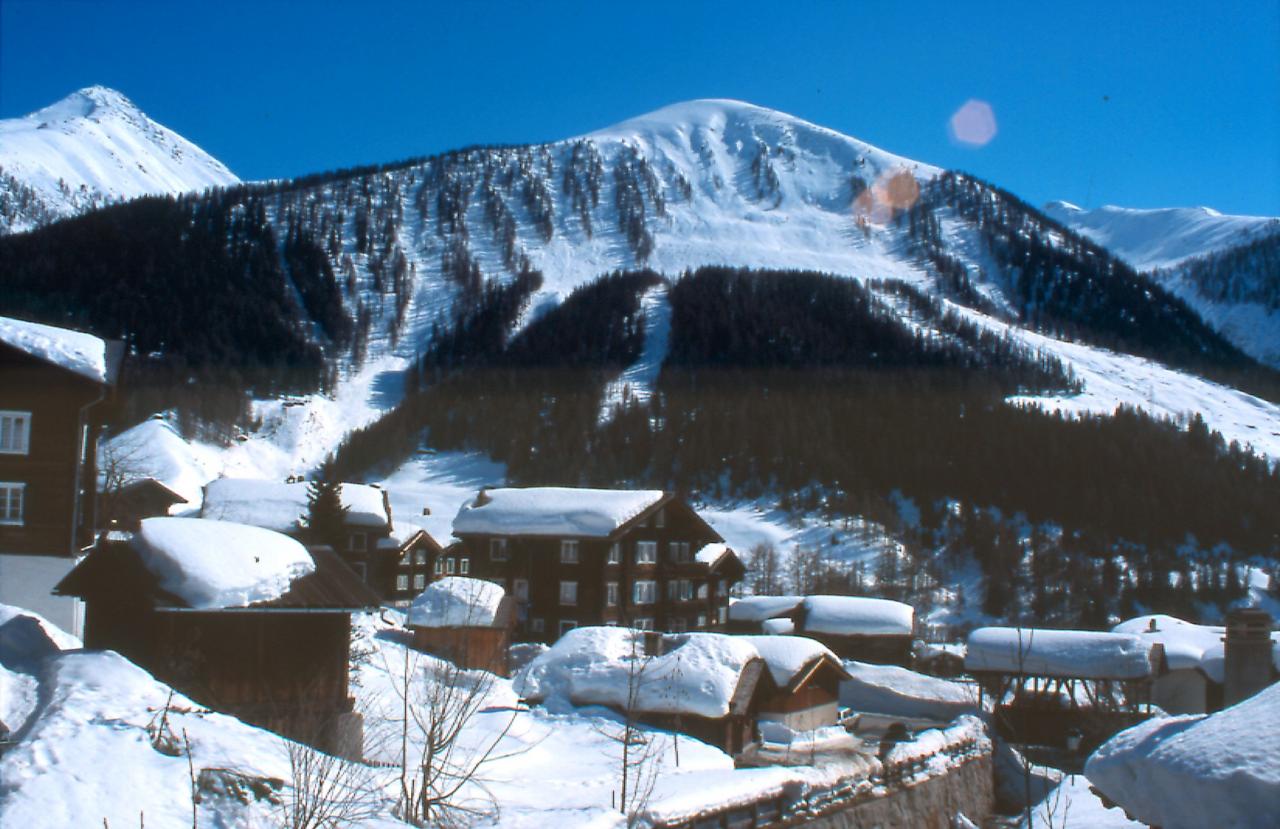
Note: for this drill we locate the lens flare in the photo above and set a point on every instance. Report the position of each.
(893, 191)
(973, 124)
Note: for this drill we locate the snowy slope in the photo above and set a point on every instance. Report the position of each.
(1160, 238)
(93, 147)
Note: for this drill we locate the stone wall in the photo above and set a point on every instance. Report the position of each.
(929, 804)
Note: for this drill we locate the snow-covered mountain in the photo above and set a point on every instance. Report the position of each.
(92, 148)
(1218, 264)
(1163, 237)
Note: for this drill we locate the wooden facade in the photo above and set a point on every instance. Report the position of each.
(645, 574)
(136, 500)
(48, 476)
(810, 700)
(281, 664)
(482, 647)
(418, 560)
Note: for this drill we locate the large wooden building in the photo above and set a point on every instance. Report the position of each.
(52, 381)
(280, 662)
(574, 557)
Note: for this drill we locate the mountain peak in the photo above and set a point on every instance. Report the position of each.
(91, 101)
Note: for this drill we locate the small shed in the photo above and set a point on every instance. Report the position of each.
(245, 620)
(466, 621)
(1047, 683)
(138, 499)
(805, 693)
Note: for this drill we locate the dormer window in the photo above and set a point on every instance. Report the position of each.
(15, 433)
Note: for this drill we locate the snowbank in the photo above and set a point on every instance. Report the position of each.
(898, 692)
(787, 656)
(1064, 653)
(153, 449)
(549, 510)
(456, 601)
(283, 507)
(1185, 643)
(601, 665)
(81, 353)
(1219, 770)
(858, 616)
(218, 564)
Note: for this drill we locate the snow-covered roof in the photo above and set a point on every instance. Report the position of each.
(778, 627)
(218, 564)
(1180, 772)
(698, 674)
(834, 615)
(457, 601)
(553, 511)
(77, 352)
(1187, 644)
(898, 692)
(282, 507)
(760, 608)
(788, 656)
(858, 616)
(709, 554)
(1065, 653)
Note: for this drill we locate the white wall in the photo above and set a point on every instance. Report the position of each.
(27, 581)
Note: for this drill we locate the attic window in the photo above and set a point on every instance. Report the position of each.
(498, 549)
(568, 551)
(15, 433)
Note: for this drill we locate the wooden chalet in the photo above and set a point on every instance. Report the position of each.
(416, 560)
(281, 663)
(466, 621)
(854, 627)
(52, 384)
(1046, 684)
(575, 557)
(805, 692)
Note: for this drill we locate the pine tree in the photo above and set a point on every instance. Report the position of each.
(326, 515)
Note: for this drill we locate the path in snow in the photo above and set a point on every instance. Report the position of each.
(635, 385)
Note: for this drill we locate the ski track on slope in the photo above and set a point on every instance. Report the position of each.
(635, 385)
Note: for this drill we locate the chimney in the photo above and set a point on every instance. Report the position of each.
(1248, 654)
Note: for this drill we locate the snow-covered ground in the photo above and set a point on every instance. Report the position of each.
(95, 146)
(97, 739)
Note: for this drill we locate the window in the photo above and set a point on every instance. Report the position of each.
(611, 594)
(521, 590)
(567, 625)
(568, 552)
(660, 519)
(439, 568)
(678, 551)
(702, 620)
(643, 623)
(419, 581)
(679, 590)
(15, 433)
(357, 542)
(406, 560)
(646, 552)
(723, 614)
(450, 565)
(536, 624)
(702, 590)
(498, 549)
(421, 556)
(402, 582)
(645, 592)
(10, 503)
(464, 566)
(568, 592)
(615, 553)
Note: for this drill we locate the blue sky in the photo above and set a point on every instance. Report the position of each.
(1132, 103)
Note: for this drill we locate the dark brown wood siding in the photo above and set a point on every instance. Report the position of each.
(58, 441)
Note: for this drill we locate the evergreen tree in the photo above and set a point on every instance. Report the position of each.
(326, 514)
